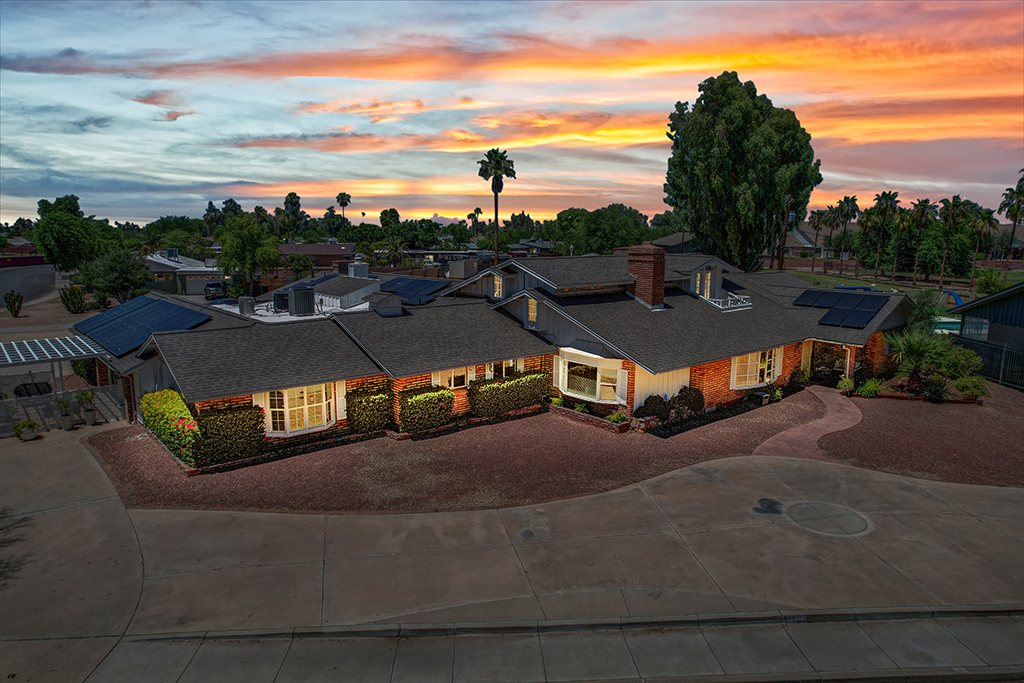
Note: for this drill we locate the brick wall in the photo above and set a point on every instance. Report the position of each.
(713, 381)
(646, 263)
(792, 357)
(232, 402)
(129, 398)
(630, 366)
(376, 384)
(873, 353)
(103, 378)
(401, 384)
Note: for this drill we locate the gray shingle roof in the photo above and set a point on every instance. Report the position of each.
(442, 335)
(209, 364)
(591, 271)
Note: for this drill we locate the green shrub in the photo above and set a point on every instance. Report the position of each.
(369, 410)
(688, 398)
(63, 403)
(618, 417)
(167, 416)
(805, 254)
(86, 369)
(936, 387)
(557, 401)
(871, 388)
(73, 299)
(971, 386)
(580, 408)
(801, 377)
(424, 408)
(845, 384)
(991, 281)
(14, 300)
(142, 291)
(86, 399)
(229, 434)
(653, 405)
(490, 397)
(22, 426)
(960, 362)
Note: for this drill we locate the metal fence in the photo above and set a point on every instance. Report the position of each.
(1000, 364)
(40, 409)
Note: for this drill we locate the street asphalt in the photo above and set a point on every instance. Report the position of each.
(745, 568)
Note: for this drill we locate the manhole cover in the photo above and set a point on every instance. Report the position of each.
(826, 518)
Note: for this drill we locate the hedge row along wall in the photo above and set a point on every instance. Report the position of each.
(171, 421)
(369, 410)
(229, 434)
(490, 397)
(424, 408)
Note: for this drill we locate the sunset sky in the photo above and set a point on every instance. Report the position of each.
(145, 109)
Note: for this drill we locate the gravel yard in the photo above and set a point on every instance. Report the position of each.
(512, 463)
(966, 444)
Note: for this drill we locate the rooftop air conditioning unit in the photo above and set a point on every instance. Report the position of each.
(172, 254)
(301, 301)
(358, 270)
(280, 301)
(246, 305)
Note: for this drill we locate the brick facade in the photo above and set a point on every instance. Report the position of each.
(129, 398)
(233, 402)
(646, 263)
(401, 384)
(714, 379)
(873, 354)
(104, 377)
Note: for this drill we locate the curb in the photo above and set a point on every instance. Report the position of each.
(401, 630)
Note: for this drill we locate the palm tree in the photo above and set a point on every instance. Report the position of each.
(817, 220)
(847, 210)
(918, 350)
(1012, 207)
(885, 203)
(901, 223)
(477, 212)
(343, 199)
(394, 247)
(922, 212)
(495, 167)
(952, 213)
(983, 222)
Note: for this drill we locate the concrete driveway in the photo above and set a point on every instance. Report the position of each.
(759, 534)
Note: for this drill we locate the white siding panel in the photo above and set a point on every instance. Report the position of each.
(562, 332)
(666, 383)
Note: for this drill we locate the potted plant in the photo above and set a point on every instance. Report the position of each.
(26, 429)
(64, 404)
(87, 399)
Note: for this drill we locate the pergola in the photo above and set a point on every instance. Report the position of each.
(53, 351)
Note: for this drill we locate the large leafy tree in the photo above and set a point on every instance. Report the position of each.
(983, 223)
(922, 214)
(886, 204)
(118, 273)
(248, 250)
(1012, 206)
(953, 214)
(64, 236)
(735, 159)
(496, 166)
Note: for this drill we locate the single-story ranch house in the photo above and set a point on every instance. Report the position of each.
(608, 331)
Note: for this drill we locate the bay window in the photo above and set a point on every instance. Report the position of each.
(302, 409)
(756, 369)
(593, 378)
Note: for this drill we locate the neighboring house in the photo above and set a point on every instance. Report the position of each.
(997, 318)
(177, 274)
(332, 290)
(608, 331)
(323, 255)
(674, 244)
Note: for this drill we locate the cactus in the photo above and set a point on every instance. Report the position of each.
(14, 300)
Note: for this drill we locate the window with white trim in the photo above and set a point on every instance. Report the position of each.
(497, 287)
(302, 409)
(504, 369)
(456, 378)
(531, 310)
(591, 378)
(756, 369)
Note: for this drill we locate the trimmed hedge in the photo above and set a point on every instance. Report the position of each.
(369, 411)
(170, 420)
(688, 398)
(424, 408)
(490, 397)
(653, 405)
(233, 433)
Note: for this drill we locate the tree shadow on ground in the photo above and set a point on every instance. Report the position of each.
(11, 527)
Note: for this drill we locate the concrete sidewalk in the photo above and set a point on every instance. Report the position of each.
(759, 541)
(835, 646)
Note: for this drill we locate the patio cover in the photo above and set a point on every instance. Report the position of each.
(48, 351)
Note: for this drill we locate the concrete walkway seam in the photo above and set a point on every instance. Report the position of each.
(400, 630)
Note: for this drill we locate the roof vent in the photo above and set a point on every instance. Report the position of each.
(301, 301)
(385, 304)
(280, 301)
(172, 254)
(246, 305)
(358, 270)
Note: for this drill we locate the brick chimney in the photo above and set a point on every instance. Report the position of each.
(646, 263)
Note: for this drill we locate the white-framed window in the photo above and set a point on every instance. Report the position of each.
(756, 369)
(498, 282)
(593, 378)
(531, 310)
(302, 409)
(703, 284)
(456, 378)
(504, 369)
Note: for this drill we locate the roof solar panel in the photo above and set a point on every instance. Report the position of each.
(872, 303)
(124, 328)
(858, 319)
(808, 298)
(835, 316)
(849, 301)
(828, 299)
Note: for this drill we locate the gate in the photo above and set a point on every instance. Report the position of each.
(999, 363)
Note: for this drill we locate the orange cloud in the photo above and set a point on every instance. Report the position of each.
(175, 115)
(378, 111)
(159, 98)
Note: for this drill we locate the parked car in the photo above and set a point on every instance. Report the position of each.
(215, 290)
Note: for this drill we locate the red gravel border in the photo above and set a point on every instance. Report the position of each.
(512, 463)
(964, 444)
